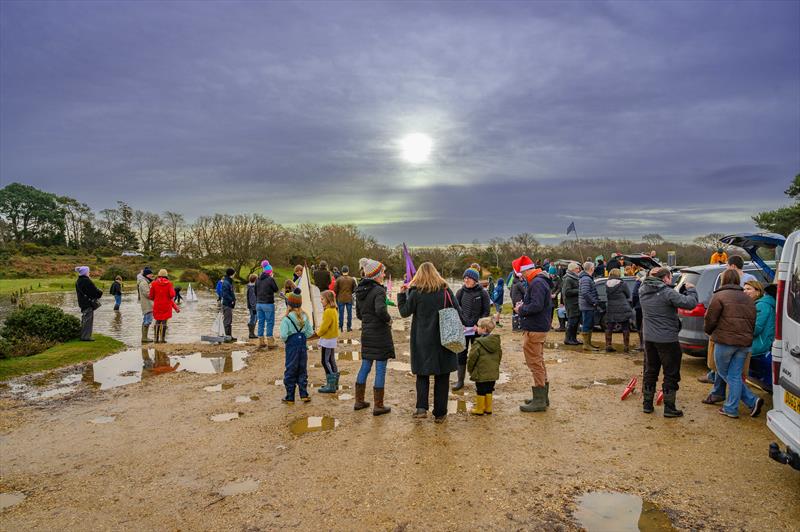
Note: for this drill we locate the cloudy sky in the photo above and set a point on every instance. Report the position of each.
(680, 118)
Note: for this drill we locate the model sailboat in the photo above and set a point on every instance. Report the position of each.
(312, 305)
(190, 294)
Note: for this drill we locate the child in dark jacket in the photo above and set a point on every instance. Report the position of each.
(251, 305)
(484, 365)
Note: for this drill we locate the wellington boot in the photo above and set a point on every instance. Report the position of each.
(261, 342)
(156, 332)
(252, 331)
(587, 342)
(229, 339)
(648, 392)
(164, 333)
(379, 409)
(609, 340)
(626, 341)
(335, 382)
(538, 401)
(488, 408)
(330, 386)
(360, 404)
(480, 406)
(270, 342)
(547, 393)
(145, 330)
(462, 372)
(669, 405)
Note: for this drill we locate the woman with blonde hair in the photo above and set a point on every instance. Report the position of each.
(423, 298)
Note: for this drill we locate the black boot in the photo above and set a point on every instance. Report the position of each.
(228, 334)
(648, 393)
(462, 372)
(609, 340)
(252, 329)
(669, 405)
(562, 324)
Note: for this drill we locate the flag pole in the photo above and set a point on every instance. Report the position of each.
(578, 243)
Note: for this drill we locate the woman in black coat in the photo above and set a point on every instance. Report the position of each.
(377, 344)
(423, 298)
(618, 309)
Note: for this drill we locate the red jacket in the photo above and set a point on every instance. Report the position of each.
(162, 293)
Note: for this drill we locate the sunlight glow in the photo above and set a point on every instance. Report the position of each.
(416, 147)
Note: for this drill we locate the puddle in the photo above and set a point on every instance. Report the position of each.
(238, 488)
(578, 387)
(350, 341)
(348, 355)
(458, 406)
(102, 420)
(620, 512)
(228, 416)
(11, 498)
(638, 362)
(313, 424)
(399, 366)
(611, 381)
(345, 397)
(129, 367)
(219, 387)
(246, 398)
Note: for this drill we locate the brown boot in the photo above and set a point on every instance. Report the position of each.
(360, 404)
(270, 342)
(379, 409)
(609, 339)
(626, 341)
(261, 342)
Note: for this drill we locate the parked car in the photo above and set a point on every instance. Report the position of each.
(131, 254)
(706, 279)
(784, 418)
(642, 261)
(168, 254)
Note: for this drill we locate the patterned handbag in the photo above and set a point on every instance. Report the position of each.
(451, 330)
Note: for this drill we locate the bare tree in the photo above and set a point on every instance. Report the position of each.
(173, 225)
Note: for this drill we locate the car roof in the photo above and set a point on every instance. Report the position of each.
(710, 267)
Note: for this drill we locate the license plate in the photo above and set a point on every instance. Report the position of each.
(792, 401)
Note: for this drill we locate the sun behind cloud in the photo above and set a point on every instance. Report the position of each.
(416, 148)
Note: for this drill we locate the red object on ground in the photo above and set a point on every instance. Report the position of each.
(660, 397)
(629, 388)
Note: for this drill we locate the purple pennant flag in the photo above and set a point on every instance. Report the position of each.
(410, 269)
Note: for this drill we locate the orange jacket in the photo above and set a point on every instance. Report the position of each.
(719, 258)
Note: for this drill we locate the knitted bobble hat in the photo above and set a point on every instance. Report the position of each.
(266, 266)
(372, 269)
(473, 274)
(295, 298)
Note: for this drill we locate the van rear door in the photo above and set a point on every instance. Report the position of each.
(789, 378)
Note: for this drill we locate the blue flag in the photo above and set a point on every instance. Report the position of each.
(571, 228)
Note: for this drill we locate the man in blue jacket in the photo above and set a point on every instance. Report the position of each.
(228, 302)
(587, 302)
(536, 316)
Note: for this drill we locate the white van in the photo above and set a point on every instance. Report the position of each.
(784, 419)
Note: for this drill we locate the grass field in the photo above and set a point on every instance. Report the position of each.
(59, 355)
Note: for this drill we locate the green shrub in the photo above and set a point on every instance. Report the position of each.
(112, 271)
(194, 276)
(214, 275)
(23, 347)
(50, 324)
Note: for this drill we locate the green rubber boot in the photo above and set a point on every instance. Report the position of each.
(330, 384)
(538, 401)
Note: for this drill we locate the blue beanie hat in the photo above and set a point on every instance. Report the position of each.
(473, 274)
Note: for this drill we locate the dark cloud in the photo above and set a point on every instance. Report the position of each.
(680, 118)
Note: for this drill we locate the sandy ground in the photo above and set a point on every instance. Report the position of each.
(162, 462)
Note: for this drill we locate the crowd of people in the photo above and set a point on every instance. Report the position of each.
(739, 320)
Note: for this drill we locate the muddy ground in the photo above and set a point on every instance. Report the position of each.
(162, 463)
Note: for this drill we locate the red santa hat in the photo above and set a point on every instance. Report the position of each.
(522, 264)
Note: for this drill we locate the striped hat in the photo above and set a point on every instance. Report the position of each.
(473, 274)
(295, 298)
(266, 266)
(372, 269)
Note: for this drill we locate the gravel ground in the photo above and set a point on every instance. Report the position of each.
(163, 464)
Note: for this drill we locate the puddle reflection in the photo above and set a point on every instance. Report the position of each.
(603, 511)
(313, 424)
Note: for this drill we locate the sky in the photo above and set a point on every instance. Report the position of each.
(677, 118)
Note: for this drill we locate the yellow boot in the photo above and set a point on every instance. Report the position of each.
(480, 403)
(488, 408)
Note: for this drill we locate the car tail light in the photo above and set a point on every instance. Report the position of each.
(779, 312)
(697, 312)
(776, 371)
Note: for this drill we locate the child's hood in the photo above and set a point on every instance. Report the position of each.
(491, 342)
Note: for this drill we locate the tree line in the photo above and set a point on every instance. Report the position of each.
(29, 216)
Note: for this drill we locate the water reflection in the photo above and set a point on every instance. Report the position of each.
(131, 366)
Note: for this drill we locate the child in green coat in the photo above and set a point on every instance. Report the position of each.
(484, 365)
